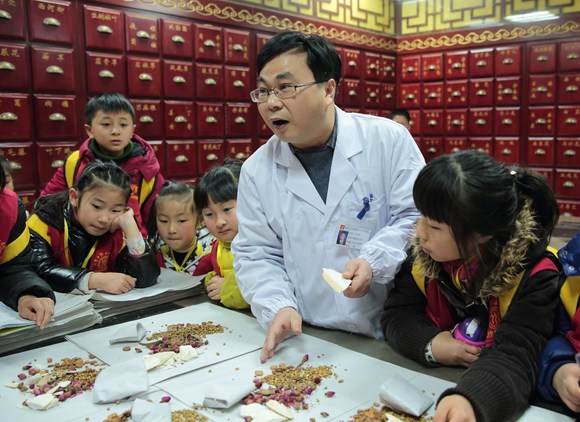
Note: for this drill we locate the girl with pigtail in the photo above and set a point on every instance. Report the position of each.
(480, 287)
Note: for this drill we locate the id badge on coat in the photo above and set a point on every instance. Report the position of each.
(352, 233)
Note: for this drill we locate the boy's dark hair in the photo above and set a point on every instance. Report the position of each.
(322, 58)
(474, 194)
(180, 191)
(95, 175)
(401, 112)
(108, 102)
(220, 183)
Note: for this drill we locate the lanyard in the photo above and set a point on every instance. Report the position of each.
(180, 268)
(68, 256)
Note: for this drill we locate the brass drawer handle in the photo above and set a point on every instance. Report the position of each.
(456, 94)
(180, 119)
(431, 67)
(432, 95)
(570, 153)
(389, 69)
(57, 117)
(410, 69)
(181, 159)
(388, 96)
(432, 122)
(506, 122)
(106, 74)
(352, 63)
(145, 77)
(7, 66)
(210, 81)
(568, 184)
(481, 63)
(571, 88)
(541, 121)
(542, 58)
(410, 97)
(571, 121)
(211, 157)
(146, 119)
(508, 61)
(238, 84)
(240, 156)
(572, 56)
(55, 70)
(352, 93)
(239, 120)
(373, 94)
(211, 119)
(5, 15)
(209, 43)
(104, 29)
(456, 122)
(14, 165)
(481, 92)
(432, 150)
(51, 22)
(179, 79)
(372, 66)
(455, 149)
(143, 34)
(8, 116)
(456, 65)
(542, 89)
(506, 151)
(57, 163)
(238, 47)
(480, 122)
(540, 151)
(507, 91)
(178, 39)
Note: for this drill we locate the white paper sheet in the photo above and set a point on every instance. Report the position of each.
(242, 334)
(168, 281)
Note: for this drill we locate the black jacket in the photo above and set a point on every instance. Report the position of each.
(18, 276)
(65, 279)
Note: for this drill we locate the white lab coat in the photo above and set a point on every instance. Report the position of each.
(287, 234)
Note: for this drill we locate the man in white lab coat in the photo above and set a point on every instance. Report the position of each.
(323, 171)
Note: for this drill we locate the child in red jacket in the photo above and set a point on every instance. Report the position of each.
(110, 125)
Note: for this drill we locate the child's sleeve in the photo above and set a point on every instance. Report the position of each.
(230, 293)
(144, 268)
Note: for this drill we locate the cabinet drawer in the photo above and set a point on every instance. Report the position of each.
(237, 86)
(181, 159)
(144, 77)
(15, 117)
(50, 21)
(13, 21)
(177, 38)
(208, 43)
(55, 117)
(104, 29)
(541, 152)
(209, 153)
(23, 162)
(148, 118)
(209, 81)
(542, 58)
(237, 46)
(179, 120)
(177, 79)
(210, 120)
(53, 70)
(142, 34)
(239, 149)
(507, 150)
(106, 73)
(239, 119)
(14, 67)
(51, 157)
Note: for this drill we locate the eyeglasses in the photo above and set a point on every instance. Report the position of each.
(282, 91)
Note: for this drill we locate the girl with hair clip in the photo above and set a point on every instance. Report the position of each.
(87, 237)
(20, 287)
(480, 289)
(216, 198)
(175, 229)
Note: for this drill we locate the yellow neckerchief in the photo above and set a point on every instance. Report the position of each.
(67, 251)
(180, 268)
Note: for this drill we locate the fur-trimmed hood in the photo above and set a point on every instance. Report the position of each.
(523, 248)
